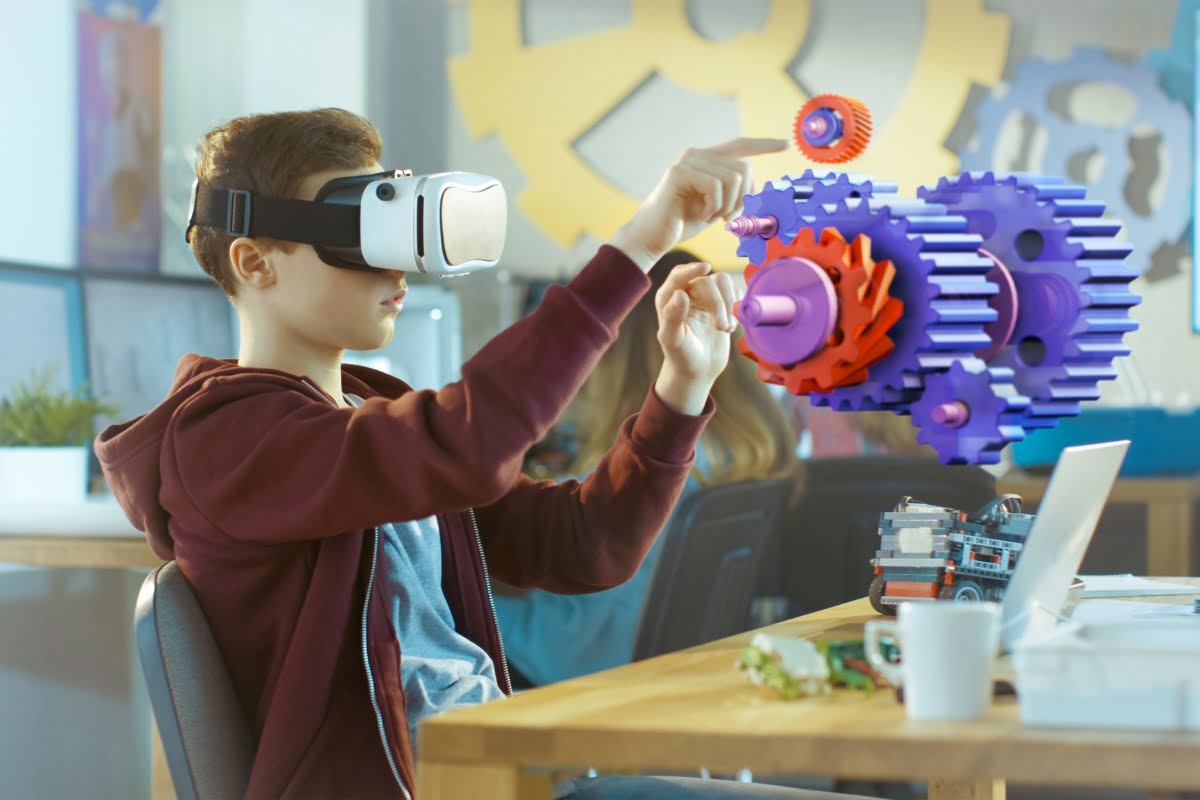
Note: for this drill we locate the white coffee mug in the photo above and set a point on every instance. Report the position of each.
(947, 650)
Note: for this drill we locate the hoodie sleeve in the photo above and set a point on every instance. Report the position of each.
(265, 461)
(575, 537)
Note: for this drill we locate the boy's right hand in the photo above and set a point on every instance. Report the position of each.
(702, 186)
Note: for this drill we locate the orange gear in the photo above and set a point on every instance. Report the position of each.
(856, 129)
(865, 315)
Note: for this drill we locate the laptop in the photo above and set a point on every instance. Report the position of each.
(1054, 548)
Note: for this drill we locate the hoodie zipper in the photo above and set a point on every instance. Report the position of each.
(366, 654)
(487, 583)
(387, 749)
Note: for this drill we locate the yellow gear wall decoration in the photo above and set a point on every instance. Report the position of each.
(539, 100)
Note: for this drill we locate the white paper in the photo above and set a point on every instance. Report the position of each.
(1131, 586)
(1095, 612)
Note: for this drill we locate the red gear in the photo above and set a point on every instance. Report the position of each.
(856, 129)
(865, 314)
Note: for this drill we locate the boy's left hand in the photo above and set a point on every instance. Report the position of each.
(695, 320)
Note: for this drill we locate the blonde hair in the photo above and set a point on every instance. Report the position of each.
(889, 433)
(748, 437)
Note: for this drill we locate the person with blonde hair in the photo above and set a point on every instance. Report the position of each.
(552, 637)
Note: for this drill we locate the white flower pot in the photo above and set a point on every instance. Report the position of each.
(40, 474)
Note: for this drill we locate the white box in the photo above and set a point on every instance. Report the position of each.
(1113, 675)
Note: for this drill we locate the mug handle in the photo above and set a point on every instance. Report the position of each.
(875, 629)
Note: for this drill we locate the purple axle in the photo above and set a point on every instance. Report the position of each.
(822, 127)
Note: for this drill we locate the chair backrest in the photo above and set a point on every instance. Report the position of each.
(831, 533)
(708, 566)
(205, 735)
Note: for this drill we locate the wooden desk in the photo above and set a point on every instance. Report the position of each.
(110, 543)
(1170, 506)
(98, 552)
(694, 709)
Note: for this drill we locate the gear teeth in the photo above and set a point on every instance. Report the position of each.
(856, 121)
(1032, 87)
(1078, 244)
(940, 278)
(995, 409)
(866, 313)
(792, 198)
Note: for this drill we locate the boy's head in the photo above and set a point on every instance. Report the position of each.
(284, 285)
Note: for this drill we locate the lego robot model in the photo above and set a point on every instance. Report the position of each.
(929, 552)
(988, 306)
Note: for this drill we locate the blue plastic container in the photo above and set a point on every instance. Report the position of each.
(1161, 442)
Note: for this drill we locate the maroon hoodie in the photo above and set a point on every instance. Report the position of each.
(268, 497)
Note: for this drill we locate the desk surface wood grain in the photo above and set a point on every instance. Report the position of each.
(693, 708)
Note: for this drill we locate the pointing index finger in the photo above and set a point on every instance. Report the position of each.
(750, 146)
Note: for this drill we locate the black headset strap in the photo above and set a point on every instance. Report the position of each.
(239, 213)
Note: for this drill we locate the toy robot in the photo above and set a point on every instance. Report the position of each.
(990, 305)
(929, 552)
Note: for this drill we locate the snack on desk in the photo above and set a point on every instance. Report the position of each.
(797, 667)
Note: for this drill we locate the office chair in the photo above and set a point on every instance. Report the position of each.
(831, 534)
(205, 734)
(708, 568)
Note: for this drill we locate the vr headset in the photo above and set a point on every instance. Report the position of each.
(450, 223)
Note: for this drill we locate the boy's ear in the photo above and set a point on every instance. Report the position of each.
(250, 264)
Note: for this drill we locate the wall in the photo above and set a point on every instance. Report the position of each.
(74, 716)
(530, 105)
(37, 133)
(226, 58)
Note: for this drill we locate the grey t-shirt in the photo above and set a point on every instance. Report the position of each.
(440, 668)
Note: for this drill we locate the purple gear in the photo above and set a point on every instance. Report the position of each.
(1071, 277)
(941, 279)
(773, 201)
(970, 412)
(793, 197)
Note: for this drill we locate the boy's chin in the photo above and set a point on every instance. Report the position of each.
(372, 340)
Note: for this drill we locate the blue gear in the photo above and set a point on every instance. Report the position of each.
(793, 197)
(940, 278)
(1077, 255)
(995, 409)
(1030, 91)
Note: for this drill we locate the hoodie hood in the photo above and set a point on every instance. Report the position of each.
(130, 452)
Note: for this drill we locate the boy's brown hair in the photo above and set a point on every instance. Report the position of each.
(271, 155)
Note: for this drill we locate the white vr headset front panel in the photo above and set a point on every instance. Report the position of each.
(448, 223)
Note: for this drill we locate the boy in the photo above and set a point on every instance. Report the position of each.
(338, 527)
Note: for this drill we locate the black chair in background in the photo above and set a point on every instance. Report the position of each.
(709, 566)
(828, 538)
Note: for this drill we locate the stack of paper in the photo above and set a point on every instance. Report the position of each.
(1131, 586)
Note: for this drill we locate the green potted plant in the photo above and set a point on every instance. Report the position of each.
(44, 439)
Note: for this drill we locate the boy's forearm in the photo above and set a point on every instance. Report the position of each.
(681, 394)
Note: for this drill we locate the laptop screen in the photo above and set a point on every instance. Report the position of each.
(1055, 546)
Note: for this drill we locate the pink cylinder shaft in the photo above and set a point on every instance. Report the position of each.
(748, 225)
(953, 414)
(770, 309)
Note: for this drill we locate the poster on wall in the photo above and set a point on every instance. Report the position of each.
(120, 68)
